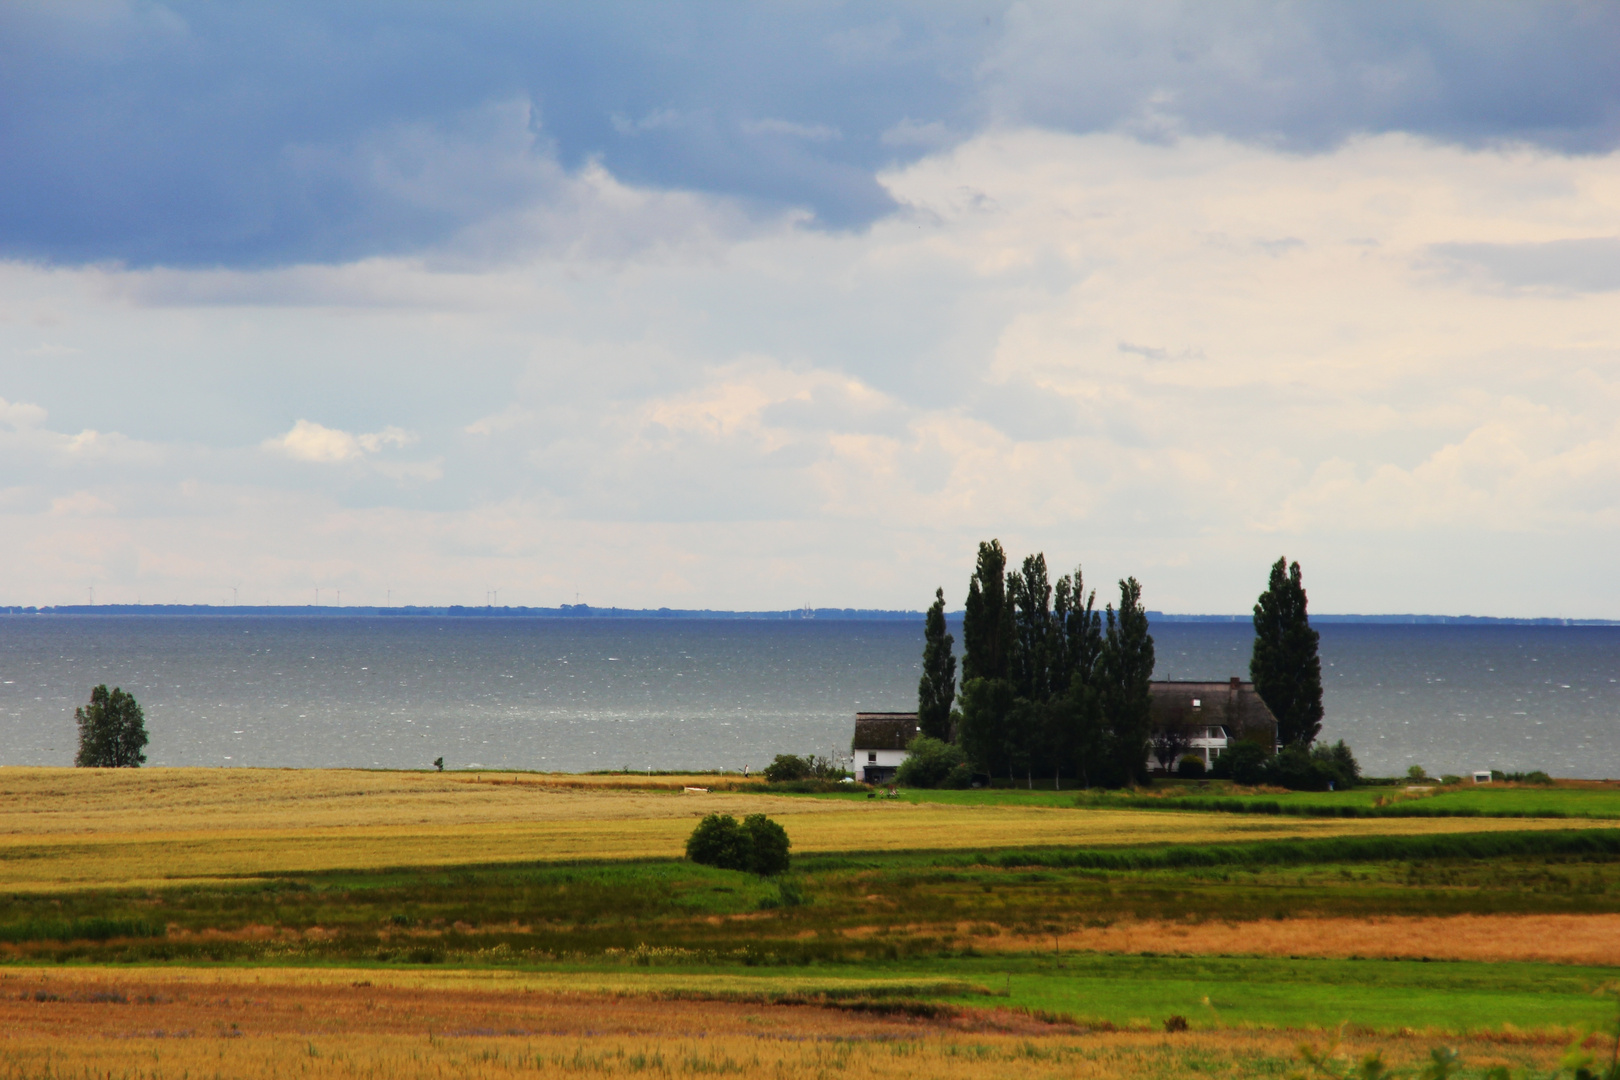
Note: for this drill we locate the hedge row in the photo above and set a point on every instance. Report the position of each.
(93, 929)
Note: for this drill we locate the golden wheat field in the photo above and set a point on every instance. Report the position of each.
(175, 1026)
(86, 828)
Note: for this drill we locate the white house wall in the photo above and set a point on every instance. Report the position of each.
(889, 759)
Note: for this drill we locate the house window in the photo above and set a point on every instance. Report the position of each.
(871, 758)
(1198, 703)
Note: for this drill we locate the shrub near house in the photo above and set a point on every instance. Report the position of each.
(934, 763)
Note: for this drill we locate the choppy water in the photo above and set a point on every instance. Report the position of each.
(669, 694)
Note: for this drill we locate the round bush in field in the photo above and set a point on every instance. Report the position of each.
(769, 845)
(756, 844)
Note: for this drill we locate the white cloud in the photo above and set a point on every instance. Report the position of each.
(20, 414)
(309, 441)
(1176, 359)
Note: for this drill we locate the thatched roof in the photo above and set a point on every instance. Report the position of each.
(884, 730)
(1233, 705)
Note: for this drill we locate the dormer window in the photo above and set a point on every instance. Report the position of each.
(1198, 703)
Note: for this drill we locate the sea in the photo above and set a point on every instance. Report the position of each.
(573, 695)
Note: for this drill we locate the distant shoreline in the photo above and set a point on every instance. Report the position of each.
(585, 611)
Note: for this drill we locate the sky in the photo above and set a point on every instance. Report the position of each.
(753, 307)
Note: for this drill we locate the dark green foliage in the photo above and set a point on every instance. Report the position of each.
(112, 730)
(1169, 743)
(1337, 849)
(1296, 767)
(1535, 776)
(1339, 762)
(1031, 703)
(757, 845)
(1030, 663)
(1285, 667)
(987, 617)
(787, 767)
(90, 929)
(1126, 669)
(768, 846)
(1242, 763)
(930, 763)
(936, 691)
(1191, 767)
(986, 706)
(719, 841)
(790, 768)
(438, 763)
(1080, 637)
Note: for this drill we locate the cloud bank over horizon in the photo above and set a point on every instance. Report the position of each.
(676, 305)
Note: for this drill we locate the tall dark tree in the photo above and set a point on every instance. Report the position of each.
(1030, 596)
(987, 619)
(1285, 667)
(987, 706)
(1079, 633)
(936, 692)
(112, 730)
(1126, 670)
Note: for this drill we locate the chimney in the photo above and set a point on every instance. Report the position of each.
(1236, 683)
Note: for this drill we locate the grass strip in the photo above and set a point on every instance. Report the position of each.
(1602, 843)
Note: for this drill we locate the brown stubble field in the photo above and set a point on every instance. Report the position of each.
(246, 1024)
(1547, 938)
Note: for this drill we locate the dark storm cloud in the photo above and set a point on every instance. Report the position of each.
(247, 135)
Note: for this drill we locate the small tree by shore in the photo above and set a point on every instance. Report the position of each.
(112, 730)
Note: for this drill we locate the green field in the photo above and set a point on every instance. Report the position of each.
(1037, 927)
(1439, 800)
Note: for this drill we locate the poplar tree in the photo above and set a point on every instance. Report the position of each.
(987, 631)
(1030, 597)
(1079, 636)
(1126, 670)
(986, 618)
(936, 692)
(1285, 667)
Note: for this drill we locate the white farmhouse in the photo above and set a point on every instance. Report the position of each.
(1204, 718)
(880, 744)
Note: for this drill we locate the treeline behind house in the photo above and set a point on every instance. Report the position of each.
(1051, 687)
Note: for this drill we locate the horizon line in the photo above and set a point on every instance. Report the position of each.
(829, 614)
